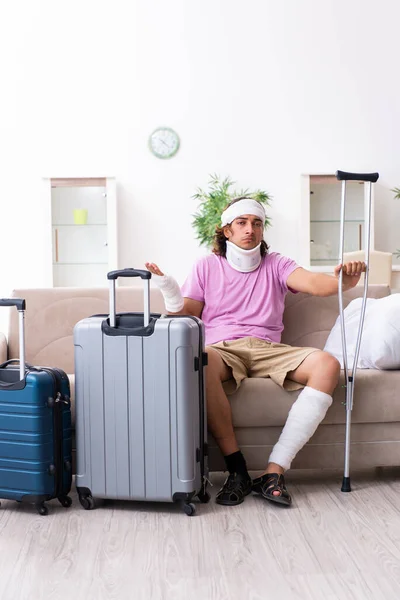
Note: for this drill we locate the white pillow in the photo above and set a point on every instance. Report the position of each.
(380, 342)
(351, 317)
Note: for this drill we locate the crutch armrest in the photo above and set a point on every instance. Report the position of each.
(344, 176)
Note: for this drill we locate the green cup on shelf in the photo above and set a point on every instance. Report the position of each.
(80, 216)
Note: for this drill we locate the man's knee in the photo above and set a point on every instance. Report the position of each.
(216, 368)
(326, 366)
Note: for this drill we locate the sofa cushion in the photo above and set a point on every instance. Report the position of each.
(52, 313)
(309, 319)
(260, 402)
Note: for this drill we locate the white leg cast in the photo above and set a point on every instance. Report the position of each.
(304, 417)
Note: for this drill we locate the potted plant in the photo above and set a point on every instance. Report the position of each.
(214, 200)
(396, 197)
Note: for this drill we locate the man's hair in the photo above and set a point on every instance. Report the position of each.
(219, 241)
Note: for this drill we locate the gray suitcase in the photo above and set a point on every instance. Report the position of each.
(140, 405)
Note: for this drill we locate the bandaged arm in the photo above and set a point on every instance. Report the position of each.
(171, 291)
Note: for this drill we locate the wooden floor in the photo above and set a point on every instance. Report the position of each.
(329, 545)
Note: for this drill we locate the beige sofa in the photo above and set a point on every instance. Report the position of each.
(260, 407)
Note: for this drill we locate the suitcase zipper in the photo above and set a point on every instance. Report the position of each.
(57, 469)
(199, 363)
(58, 429)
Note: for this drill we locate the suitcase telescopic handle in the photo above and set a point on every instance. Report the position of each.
(129, 273)
(344, 176)
(112, 276)
(18, 302)
(21, 305)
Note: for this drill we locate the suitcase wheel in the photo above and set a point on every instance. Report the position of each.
(65, 501)
(42, 509)
(87, 502)
(189, 509)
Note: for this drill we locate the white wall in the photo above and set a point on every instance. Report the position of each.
(261, 91)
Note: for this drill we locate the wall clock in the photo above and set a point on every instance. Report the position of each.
(164, 142)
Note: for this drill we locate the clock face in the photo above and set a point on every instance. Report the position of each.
(164, 142)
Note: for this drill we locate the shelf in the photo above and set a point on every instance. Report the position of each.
(324, 260)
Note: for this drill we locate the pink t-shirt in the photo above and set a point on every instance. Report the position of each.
(236, 304)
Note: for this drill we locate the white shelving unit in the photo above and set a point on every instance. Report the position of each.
(321, 199)
(82, 253)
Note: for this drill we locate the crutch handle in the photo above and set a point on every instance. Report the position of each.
(344, 176)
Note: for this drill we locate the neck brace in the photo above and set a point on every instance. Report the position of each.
(243, 260)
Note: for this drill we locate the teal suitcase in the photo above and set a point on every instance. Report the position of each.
(35, 429)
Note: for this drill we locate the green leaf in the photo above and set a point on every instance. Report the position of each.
(396, 191)
(213, 201)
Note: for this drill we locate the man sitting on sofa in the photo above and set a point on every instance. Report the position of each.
(239, 291)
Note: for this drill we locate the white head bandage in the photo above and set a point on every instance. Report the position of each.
(242, 207)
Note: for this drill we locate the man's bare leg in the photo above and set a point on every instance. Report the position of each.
(238, 483)
(219, 414)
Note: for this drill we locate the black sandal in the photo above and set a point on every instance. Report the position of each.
(236, 487)
(270, 483)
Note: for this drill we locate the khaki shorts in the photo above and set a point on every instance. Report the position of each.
(253, 357)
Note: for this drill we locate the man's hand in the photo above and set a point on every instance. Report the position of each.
(153, 268)
(351, 273)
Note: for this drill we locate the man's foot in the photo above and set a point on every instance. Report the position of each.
(234, 490)
(272, 487)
